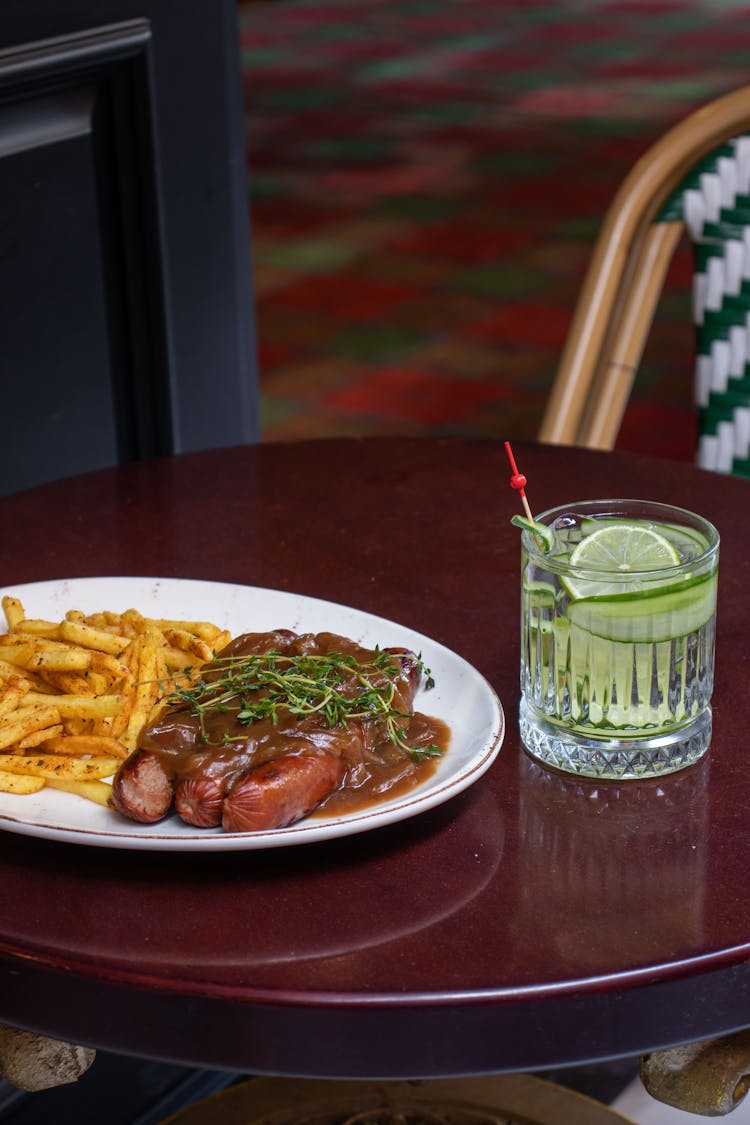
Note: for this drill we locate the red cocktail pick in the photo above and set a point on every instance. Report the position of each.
(518, 481)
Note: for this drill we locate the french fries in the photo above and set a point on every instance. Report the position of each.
(26, 720)
(97, 791)
(75, 694)
(20, 782)
(60, 765)
(92, 745)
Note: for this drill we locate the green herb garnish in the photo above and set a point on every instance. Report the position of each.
(335, 686)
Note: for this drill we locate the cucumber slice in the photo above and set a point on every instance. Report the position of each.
(544, 535)
(541, 594)
(660, 615)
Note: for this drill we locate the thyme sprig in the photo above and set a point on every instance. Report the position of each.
(335, 686)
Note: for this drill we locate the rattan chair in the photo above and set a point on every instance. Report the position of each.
(695, 180)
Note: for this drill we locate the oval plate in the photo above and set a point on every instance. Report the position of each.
(461, 697)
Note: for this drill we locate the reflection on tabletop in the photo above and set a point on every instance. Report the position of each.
(127, 920)
(614, 855)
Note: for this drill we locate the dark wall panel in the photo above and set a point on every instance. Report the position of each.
(52, 310)
(125, 299)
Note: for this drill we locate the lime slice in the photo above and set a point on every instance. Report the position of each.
(620, 548)
(544, 535)
(688, 540)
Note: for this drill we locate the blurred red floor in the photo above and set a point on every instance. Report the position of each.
(426, 184)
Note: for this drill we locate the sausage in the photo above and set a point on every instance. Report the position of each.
(281, 791)
(199, 801)
(142, 789)
(215, 769)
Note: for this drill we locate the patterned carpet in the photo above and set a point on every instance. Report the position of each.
(427, 179)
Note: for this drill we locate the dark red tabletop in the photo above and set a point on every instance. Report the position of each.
(531, 921)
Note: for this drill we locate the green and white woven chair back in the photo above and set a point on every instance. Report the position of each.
(714, 203)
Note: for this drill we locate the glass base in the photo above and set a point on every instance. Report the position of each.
(617, 758)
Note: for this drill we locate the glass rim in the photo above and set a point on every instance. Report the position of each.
(624, 508)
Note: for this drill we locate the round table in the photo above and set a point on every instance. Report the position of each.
(532, 921)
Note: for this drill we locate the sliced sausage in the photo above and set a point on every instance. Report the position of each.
(142, 789)
(281, 791)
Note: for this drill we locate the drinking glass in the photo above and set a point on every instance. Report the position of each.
(618, 620)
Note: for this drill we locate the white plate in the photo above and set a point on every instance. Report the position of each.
(461, 697)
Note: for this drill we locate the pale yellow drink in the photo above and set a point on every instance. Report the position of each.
(618, 617)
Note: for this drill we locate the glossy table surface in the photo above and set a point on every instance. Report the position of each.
(531, 921)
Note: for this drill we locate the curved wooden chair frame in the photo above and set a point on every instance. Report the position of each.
(625, 277)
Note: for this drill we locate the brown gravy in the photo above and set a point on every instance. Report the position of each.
(218, 745)
(389, 782)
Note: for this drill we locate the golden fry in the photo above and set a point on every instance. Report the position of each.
(162, 676)
(96, 620)
(60, 766)
(48, 629)
(98, 683)
(177, 660)
(117, 726)
(222, 640)
(146, 691)
(76, 694)
(108, 665)
(75, 726)
(39, 737)
(19, 724)
(19, 654)
(20, 783)
(89, 637)
(77, 706)
(8, 671)
(14, 612)
(60, 660)
(204, 630)
(135, 620)
(82, 744)
(118, 621)
(8, 640)
(97, 791)
(12, 692)
(24, 711)
(180, 638)
(69, 683)
(99, 727)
